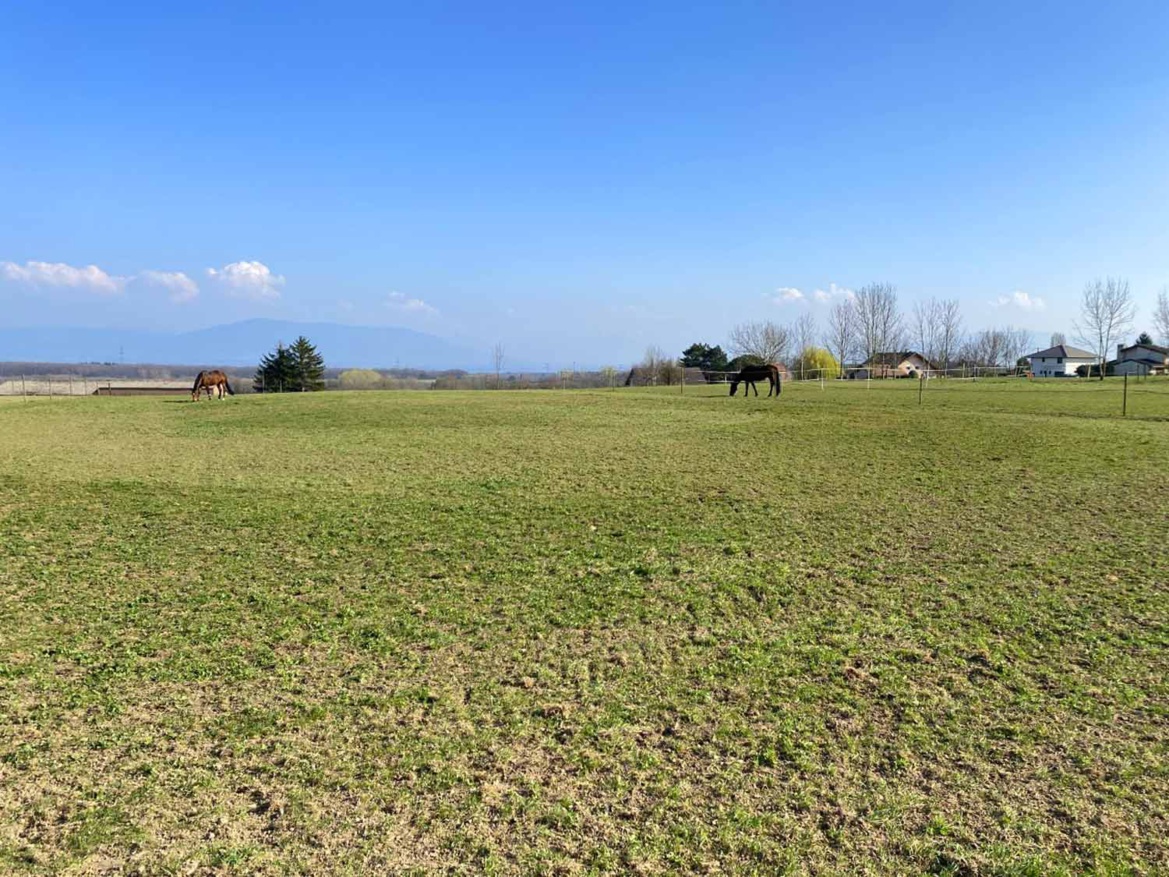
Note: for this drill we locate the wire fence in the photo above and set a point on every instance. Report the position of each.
(56, 385)
(1143, 395)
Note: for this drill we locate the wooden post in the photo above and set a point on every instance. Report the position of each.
(920, 387)
(1124, 404)
(23, 389)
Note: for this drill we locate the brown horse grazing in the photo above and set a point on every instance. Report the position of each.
(212, 381)
(752, 373)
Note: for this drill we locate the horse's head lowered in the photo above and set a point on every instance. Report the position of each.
(734, 385)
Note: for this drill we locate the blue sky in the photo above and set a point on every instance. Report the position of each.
(576, 182)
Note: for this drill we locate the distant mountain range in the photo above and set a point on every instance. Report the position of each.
(240, 344)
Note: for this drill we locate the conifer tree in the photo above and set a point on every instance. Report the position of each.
(308, 366)
(277, 371)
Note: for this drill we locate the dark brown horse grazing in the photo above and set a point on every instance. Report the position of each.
(752, 373)
(212, 381)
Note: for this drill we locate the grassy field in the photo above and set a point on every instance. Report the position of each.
(588, 632)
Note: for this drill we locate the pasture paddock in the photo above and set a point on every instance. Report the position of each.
(587, 632)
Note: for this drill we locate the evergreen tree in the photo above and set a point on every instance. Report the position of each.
(308, 366)
(705, 357)
(1145, 338)
(277, 372)
(740, 362)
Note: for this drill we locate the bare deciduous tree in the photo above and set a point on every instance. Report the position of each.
(1058, 338)
(671, 373)
(1015, 346)
(948, 335)
(987, 347)
(998, 347)
(803, 333)
(839, 339)
(878, 322)
(652, 362)
(1161, 316)
(497, 360)
(657, 367)
(925, 324)
(608, 375)
(767, 341)
(1106, 313)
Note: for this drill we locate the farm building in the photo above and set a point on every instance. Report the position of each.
(893, 364)
(1059, 361)
(1140, 359)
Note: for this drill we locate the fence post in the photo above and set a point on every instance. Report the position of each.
(920, 387)
(1124, 404)
(23, 389)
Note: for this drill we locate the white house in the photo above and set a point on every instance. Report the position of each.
(1140, 359)
(1060, 361)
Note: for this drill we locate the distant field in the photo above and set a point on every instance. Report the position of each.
(631, 631)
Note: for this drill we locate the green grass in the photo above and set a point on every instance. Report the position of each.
(588, 632)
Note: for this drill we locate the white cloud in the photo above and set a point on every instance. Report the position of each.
(1022, 301)
(182, 288)
(832, 293)
(89, 278)
(402, 302)
(248, 280)
(785, 294)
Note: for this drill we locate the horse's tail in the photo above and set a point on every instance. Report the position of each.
(227, 386)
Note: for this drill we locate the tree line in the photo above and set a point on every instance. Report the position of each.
(869, 322)
(858, 327)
